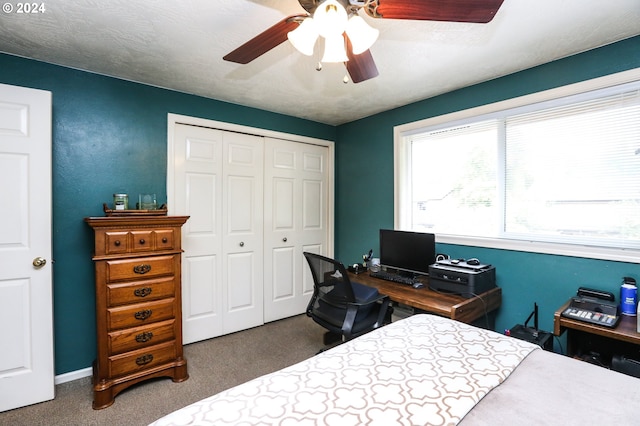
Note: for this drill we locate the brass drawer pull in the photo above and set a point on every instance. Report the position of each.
(142, 292)
(143, 315)
(142, 269)
(144, 337)
(144, 359)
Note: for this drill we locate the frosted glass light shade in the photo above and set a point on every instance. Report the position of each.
(361, 34)
(334, 50)
(331, 18)
(304, 37)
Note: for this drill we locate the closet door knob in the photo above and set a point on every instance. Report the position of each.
(241, 243)
(284, 239)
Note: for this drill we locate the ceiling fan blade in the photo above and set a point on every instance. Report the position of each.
(477, 11)
(360, 67)
(265, 41)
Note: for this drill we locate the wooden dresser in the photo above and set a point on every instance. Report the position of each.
(138, 303)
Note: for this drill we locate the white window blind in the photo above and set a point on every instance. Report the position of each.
(566, 171)
(453, 175)
(573, 174)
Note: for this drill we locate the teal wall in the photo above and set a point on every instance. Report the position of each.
(110, 135)
(364, 194)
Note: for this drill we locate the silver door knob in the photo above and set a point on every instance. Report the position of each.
(241, 243)
(39, 262)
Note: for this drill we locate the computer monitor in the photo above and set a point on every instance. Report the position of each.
(406, 251)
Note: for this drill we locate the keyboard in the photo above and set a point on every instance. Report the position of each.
(396, 278)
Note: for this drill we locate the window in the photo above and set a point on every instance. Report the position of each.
(557, 175)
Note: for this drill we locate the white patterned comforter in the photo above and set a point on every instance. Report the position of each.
(421, 370)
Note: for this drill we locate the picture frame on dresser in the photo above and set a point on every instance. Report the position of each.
(137, 261)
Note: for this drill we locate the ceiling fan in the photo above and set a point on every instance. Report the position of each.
(359, 62)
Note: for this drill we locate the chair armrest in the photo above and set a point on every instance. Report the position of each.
(379, 298)
(352, 311)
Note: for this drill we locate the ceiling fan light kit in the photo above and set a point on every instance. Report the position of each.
(361, 34)
(330, 20)
(334, 51)
(304, 37)
(347, 37)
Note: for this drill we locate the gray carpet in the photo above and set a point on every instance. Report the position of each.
(214, 365)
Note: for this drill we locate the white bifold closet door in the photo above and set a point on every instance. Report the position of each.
(295, 219)
(218, 183)
(255, 204)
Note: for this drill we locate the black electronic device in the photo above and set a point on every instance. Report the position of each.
(625, 365)
(459, 277)
(394, 277)
(407, 252)
(593, 306)
(356, 268)
(596, 294)
(532, 334)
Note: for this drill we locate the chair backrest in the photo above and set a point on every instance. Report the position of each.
(330, 279)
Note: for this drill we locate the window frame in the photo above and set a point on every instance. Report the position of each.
(402, 163)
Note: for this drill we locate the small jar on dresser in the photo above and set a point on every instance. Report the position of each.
(138, 302)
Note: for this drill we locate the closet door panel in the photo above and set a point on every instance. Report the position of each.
(295, 180)
(202, 206)
(312, 206)
(307, 278)
(202, 303)
(243, 231)
(283, 279)
(198, 187)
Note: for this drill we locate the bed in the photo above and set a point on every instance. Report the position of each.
(426, 370)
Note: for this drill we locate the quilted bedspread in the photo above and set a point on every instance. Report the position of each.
(421, 370)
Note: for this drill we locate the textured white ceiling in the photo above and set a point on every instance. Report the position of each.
(180, 45)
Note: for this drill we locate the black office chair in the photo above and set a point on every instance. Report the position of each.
(347, 309)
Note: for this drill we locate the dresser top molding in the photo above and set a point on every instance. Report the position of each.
(135, 221)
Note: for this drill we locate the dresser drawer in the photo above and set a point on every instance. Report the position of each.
(140, 314)
(140, 337)
(138, 240)
(140, 268)
(142, 359)
(140, 291)
(165, 239)
(116, 242)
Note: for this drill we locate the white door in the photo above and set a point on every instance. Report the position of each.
(26, 319)
(197, 164)
(296, 218)
(217, 178)
(242, 244)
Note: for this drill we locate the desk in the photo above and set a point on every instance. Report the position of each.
(584, 338)
(442, 304)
